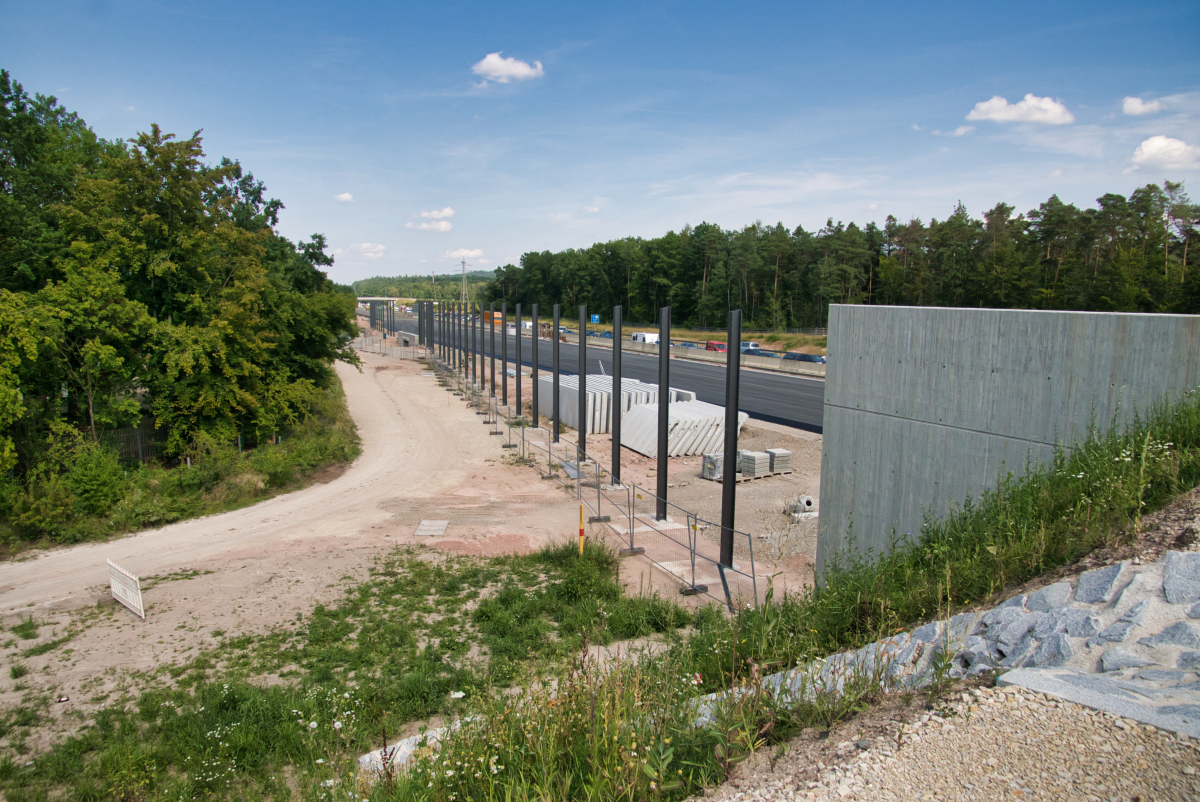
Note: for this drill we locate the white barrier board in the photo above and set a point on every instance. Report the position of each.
(126, 588)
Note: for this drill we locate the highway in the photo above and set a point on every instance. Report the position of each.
(790, 400)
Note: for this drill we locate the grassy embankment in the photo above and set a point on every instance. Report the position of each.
(577, 730)
(88, 493)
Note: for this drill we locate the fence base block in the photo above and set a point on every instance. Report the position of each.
(631, 552)
(509, 445)
(693, 590)
(599, 519)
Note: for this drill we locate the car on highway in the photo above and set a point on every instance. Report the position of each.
(759, 352)
(606, 335)
(684, 345)
(746, 346)
(716, 345)
(805, 357)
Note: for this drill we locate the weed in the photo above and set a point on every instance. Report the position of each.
(43, 648)
(27, 629)
(18, 670)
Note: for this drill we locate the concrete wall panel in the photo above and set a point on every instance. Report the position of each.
(926, 407)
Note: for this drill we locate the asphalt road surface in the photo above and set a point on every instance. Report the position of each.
(779, 398)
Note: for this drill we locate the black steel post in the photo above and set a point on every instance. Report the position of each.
(533, 349)
(520, 409)
(582, 438)
(554, 369)
(474, 345)
(664, 405)
(504, 353)
(492, 344)
(733, 365)
(617, 400)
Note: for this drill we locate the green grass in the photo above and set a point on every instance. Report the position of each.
(27, 629)
(423, 636)
(43, 648)
(18, 670)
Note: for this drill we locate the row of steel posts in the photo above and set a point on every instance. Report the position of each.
(453, 329)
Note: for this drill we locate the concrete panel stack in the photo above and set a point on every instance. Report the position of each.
(696, 427)
(781, 459)
(755, 463)
(599, 402)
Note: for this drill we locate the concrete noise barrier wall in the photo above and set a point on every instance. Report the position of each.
(927, 407)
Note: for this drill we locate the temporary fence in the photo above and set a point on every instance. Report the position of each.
(134, 442)
(683, 544)
(392, 346)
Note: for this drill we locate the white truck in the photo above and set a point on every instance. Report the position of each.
(645, 337)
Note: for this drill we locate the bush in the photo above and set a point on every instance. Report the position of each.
(96, 478)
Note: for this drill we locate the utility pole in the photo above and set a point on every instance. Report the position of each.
(464, 279)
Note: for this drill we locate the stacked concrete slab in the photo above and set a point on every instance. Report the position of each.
(694, 427)
(755, 463)
(781, 459)
(599, 399)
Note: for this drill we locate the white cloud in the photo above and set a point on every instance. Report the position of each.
(592, 209)
(916, 127)
(345, 197)
(436, 225)
(367, 250)
(1166, 152)
(463, 253)
(503, 70)
(873, 205)
(1032, 109)
(962, 130)
(1136, 107)
(437, 214)
(1054, 173)
(130, 108)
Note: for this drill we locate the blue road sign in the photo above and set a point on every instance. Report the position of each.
(595, 318)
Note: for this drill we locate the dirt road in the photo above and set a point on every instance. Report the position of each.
(425, 456)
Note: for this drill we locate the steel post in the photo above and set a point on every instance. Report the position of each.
(615, 406)
(554, 369)
(504, 355)
(664, 405)
(492, 343)
(582, 438)
(533, 350)
(733, 365)
(520, 409)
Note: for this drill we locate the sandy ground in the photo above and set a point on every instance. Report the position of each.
(425, 456)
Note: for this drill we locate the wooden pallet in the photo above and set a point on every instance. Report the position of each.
(741, 478)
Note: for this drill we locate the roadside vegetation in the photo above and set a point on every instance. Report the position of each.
(143, 287)
(83, 490)
(499, 644)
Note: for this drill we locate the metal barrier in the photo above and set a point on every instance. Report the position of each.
(683, 545)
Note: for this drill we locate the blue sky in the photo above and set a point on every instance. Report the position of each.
(392, 128)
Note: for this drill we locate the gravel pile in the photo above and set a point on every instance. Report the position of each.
(999, 743)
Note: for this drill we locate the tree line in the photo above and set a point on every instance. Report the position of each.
(138, 280)
(429, 287)
(1128, 254)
